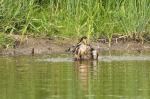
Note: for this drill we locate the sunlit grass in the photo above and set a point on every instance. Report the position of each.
(94, 18)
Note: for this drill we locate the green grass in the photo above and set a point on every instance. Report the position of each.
(5, 41)
(69, 18)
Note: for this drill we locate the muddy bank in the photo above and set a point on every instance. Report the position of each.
(38, 46)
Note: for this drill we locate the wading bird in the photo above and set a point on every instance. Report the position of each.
(83, 50)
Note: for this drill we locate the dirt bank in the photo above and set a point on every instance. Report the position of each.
(60, 45)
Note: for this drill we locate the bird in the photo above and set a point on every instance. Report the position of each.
(84, 51)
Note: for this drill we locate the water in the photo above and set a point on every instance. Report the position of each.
(53, 77)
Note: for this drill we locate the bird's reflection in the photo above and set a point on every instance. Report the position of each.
(86, 70)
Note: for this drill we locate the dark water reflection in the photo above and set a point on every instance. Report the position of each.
(27, 78)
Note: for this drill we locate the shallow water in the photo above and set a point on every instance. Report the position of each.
(55, 77)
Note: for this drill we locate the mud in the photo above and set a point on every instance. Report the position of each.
(41, 46)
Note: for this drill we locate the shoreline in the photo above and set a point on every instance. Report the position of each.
(39, 46)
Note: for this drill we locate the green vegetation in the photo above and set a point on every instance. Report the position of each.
(5, 41)
(67, 18)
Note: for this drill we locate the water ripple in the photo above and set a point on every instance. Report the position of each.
(102, 58)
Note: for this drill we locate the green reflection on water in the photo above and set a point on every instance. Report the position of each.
(27, 78)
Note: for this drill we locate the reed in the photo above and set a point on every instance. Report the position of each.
(68, 18)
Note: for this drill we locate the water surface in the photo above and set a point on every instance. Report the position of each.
(55, 77)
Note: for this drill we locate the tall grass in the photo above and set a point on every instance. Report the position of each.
(94, 18)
